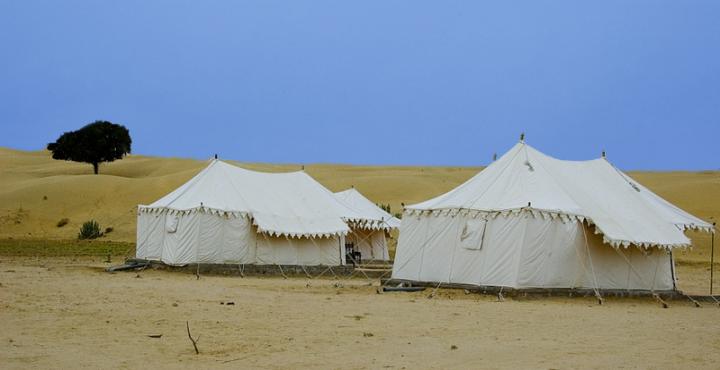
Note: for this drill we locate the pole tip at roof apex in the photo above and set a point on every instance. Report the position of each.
(603, 154)
(522, 137)
(216, 156)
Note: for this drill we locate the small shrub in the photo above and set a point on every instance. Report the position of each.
(44, 197)
(108, 230)
(63, 222)
(90, 230)
(398, 215)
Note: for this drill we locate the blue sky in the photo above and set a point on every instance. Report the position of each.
(370, 82)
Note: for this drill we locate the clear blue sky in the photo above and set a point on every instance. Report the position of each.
(371, 82)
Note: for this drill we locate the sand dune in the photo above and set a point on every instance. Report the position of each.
(36, 191)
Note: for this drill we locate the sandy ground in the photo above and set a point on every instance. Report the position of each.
(60, 313)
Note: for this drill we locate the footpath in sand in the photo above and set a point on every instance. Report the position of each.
(65, 313)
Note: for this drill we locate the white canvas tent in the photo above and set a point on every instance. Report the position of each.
(369, 234)
(532, 221)
(226, 214)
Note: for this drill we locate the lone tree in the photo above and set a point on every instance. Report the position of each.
(100, 141)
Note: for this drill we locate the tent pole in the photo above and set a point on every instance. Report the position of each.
(712, 258)
(672, 270)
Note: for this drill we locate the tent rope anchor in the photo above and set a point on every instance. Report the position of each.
(661, 301)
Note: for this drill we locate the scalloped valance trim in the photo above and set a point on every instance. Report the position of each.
(556, 215)
(298, 235)
(238, 214)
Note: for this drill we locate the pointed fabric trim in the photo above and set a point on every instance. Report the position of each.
(368, 224)
(184, 212)
(685, 227)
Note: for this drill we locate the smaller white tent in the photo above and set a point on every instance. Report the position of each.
(226, 214)
(369, 231)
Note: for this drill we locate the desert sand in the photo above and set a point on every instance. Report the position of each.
(67, 312)
(70, 314)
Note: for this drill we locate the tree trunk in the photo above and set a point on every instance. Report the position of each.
(95, 167)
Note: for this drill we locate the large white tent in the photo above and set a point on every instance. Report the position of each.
(532, 221)
(226, 214)
(369, 234)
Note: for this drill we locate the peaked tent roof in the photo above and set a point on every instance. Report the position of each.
(624, 211)
(373, 217)
(291, 204)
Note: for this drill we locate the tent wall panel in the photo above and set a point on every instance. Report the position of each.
(210, 237)
(239, 241)
(343, 260)
(379, 246)
(471, 250)
(150, 235)
(551, 255)
(371, 244)
(504, 237)
(522, 251)
(304, 251)
(181, 237)
(629, 268)
(434, 257)
(413, 232)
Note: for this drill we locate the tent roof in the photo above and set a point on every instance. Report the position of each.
(373, 217)
(291, 204)
(624, 211)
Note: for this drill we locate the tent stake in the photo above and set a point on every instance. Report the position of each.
(660, 300)
(694, 301)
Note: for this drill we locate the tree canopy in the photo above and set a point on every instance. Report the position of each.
(100, 141)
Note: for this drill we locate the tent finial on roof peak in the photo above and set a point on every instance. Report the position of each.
(522, 137)
(216, 156)
(603, 154)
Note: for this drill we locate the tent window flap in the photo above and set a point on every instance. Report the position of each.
(171, 223)
(472, 234)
